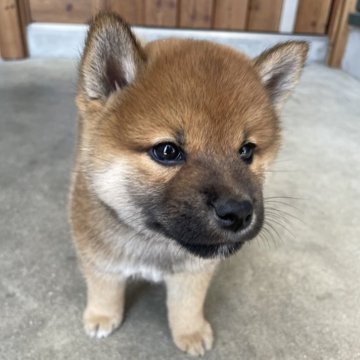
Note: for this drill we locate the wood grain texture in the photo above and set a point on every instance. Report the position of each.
(230, 14)
(64, 11)
(338, 31)
(133, 11)
(98, 5)
(161, 13)
(312, 16)
(195, 13)
(334, 18)
(264, 15)
(25, 19)
(12, 41)
(24, 11)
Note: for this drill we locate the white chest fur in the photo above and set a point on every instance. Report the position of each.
(127, 270)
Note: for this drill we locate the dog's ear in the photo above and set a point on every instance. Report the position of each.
(280, 68)
(112, 57)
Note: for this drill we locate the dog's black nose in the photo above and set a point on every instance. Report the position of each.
(232, 214)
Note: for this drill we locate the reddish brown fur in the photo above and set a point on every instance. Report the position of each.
(208, 99)
(232, 98)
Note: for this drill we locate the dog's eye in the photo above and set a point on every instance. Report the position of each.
(167, 154)
(247, 152)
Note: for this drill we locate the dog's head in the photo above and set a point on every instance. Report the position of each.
(176, 135)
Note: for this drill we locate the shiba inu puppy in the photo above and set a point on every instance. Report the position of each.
(174, 140)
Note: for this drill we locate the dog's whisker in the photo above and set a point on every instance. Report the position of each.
(284, 197)
(281, 203)
(269, 233)
(276, 236)
(283, 227)
(285, 213)
(278, 215)
(282, 171)
(261, 236)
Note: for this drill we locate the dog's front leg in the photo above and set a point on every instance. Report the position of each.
(105, 303)
(186, 294)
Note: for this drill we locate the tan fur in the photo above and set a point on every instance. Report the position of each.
(105, 307)
(190, 331)
(206, 98)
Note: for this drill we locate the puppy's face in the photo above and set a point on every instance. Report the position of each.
(178, 135)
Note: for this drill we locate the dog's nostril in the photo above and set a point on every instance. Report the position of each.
(228, 217)
(233, 215)
(248, 219)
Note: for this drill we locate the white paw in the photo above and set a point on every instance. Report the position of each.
(196, 343)
(100, 326)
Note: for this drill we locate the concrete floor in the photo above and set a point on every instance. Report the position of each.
(296, 296)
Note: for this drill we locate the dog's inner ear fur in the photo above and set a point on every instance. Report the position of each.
(280, 68)
(112, 57)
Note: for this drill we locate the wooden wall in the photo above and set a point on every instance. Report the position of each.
(320, 17)
(313, 16)
(251, 15)
(13, 21)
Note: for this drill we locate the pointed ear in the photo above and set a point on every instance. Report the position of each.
(280, 68)
(112, 57)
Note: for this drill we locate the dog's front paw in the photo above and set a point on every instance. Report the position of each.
(98, 325)
(197, 342)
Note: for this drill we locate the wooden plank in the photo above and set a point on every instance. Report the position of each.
(264, 15)
(25, 19)
(64, 11)
(312, 16)
(161, 12)
(12, 41)
(98, 5)
(230, 14)
(195, 13)
(334, 19)
(338, 31)
(24, 10)
(131, 10)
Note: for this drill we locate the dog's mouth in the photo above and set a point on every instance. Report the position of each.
(209, 244)
(212, 250)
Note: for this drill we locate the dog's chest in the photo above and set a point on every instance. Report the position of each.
(149, 258)
(151, 263)
(128, 270)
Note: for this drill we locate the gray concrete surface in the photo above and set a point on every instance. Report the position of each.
(296, 296)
